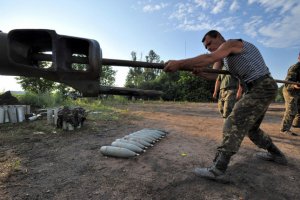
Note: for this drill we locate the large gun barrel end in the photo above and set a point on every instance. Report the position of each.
(44, 53)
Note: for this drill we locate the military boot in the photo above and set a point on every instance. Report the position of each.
(296, 121)
(218, 168)
(273, 154)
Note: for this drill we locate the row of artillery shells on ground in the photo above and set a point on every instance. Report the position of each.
(133, 144)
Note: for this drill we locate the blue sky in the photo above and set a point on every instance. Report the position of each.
(173, 29)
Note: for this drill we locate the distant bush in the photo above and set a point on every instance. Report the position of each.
(279, 98)
(43, 100)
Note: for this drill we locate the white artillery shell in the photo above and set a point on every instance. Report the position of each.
(131, 142)
(138, 139)
(151, 132)
(147, 137)
(131, 147)
(142, 136)
(161, 132)
(117, 152)
(155, 132)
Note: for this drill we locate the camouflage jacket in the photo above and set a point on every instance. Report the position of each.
(293, 75)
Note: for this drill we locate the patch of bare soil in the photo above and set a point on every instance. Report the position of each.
(52, 164)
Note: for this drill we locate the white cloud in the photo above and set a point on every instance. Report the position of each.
(198, 26)
(202, 3)
(230, 23)
(234, 6)
(283, 33)
(183, 11)
(250, 28)
(154, 7)
(218, 6)
(191, 17)
(278, 24)
(271, 5)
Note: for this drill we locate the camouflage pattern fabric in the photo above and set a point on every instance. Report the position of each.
(247, 116)
(296, 121)
(291, 98)
(227, 95)
(75, 116)
(226, 101)
(227, 81)
(291, 109)
(293, 75)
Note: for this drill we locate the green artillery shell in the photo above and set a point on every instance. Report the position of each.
(132, 142)
(117, 152)
(150, 134)
(144, 134)
(153, 133)
(148, 137)
(138, 139)
(161, 132)
(131, 147)
(143, 137)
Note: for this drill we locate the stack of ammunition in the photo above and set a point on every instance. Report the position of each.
(133, 144)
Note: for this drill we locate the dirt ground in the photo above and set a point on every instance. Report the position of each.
(50, 164)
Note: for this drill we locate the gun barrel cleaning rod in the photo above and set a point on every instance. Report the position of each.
(129, 63)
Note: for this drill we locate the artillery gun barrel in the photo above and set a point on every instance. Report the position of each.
(128, 63)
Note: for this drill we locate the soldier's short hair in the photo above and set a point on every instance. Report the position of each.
(212, 33)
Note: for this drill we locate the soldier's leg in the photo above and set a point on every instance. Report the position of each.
(246, 114)
(236, 126)
(230, 100)
(290, 111)
(262, 140)
(296, 121)
(221, 102)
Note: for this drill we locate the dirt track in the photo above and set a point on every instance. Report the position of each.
(48, 165)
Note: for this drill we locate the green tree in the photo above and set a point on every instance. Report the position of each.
(151, 73)
(139, 77)
(195, 88)
(179, 86)
(279, 97)
(134, 77)
(107, 76)
(168, 83)
(41, 85)
(35, 85)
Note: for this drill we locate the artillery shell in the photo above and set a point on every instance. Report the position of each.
(152, 133)
(161, 132)
(131, 147)
(117, 152)
(153, 137)
(147, 139)
(139, 139)
(131, 142)
(148, 134)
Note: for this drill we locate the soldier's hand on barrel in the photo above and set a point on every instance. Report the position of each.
(297, 87)
(172, 66)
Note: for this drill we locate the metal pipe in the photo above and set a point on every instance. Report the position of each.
(128, 63)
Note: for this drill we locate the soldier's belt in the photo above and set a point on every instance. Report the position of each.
(255, 82)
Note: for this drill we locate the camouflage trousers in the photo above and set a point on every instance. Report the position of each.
(226, 101)
(296, 121)
(247, 115)
(291, 109)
